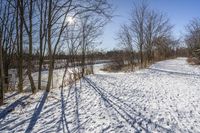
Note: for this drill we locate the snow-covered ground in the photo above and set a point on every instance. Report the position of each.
(163, 98)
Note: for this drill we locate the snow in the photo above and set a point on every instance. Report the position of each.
(180, 65)
(162, 98)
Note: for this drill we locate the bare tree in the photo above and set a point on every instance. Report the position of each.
(1, 63)
(42, 7)
(126, 40)
(29, 30)
(192, 38)
(157, 25)
(20, 44)
(164, 47)
(71, 38)
(1, 72)
(52, 21)
(6, 44)
(137, 26)
(49, 26)
(58, 24)
(90, 30)
(145, 27)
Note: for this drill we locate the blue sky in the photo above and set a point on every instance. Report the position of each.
(180, 12)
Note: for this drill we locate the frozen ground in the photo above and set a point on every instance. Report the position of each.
(162, 98)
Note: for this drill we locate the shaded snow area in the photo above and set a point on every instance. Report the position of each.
(162, 98)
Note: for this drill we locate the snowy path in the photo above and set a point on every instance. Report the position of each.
(162, 98)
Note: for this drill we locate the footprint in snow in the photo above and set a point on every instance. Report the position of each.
(161, 120)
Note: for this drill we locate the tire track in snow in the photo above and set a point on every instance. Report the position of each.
(118, 107)
(168, 100)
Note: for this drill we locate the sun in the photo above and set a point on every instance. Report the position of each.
(70, 20)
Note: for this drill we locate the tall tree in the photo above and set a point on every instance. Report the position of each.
(42, 6)
(29, 30)
(20, 11)
(192, 38)
(1, 72)
(137, 26)
(57, 22)
(126, 40)
(157, 25)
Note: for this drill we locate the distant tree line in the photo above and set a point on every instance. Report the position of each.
(192, 38)
(150, 33)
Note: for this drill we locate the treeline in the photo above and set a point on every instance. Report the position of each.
(192, 38)
(149, 32)
(45, 28)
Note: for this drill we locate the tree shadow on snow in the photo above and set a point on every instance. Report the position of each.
(37, 112)
(63, 119)
(129, 114)
(73, 90)
(12, 95)
(77, 99)
(12, 106)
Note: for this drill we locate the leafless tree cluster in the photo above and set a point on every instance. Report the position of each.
(148, 32)
(192, 38)
(46, 27)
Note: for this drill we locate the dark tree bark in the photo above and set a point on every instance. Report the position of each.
(1, 72)
(20, 47)
(49, 26)
(43, 11)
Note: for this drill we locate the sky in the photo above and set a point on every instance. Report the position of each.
(180, 13)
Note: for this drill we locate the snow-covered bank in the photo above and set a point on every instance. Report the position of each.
(57, 76)
(180, 65)
(163, 98)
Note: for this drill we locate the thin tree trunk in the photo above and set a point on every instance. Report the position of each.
(2, 73)
(20, 61)
(83, 61)
(43, 11)
(141, 56)
(49, 47)
(33, 88)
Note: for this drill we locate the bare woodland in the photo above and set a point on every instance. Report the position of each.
(192, 38)
(42, 31)
(44, 28)
(149, 32)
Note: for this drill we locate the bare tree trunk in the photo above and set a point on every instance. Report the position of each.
(49, 47)
(141, 57)
(42, 35)
(41, 46)
(33, 88)
(1, 72)
(64, 75)
(83, 61)
(141, 40)
(40, 70)
(20, 54)
(29, 32)
(132, 60)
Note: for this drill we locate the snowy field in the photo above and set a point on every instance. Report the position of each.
(162, 98)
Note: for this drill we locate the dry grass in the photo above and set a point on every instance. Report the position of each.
(112, 68)
(124, 68)
(193, 61)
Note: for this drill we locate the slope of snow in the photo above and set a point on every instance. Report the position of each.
(180, 65)
(162, 98)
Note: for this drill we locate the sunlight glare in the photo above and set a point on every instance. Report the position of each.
(70, 20)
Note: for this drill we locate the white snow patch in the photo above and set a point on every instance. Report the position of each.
(162, 98)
